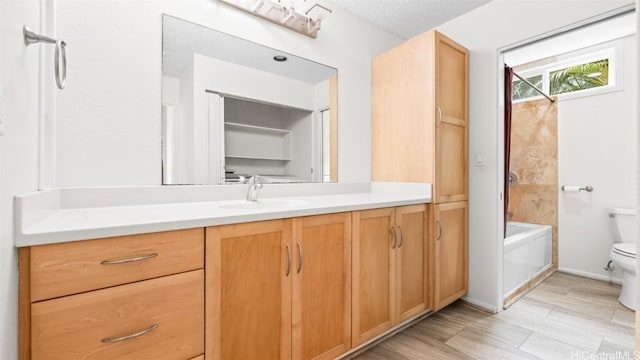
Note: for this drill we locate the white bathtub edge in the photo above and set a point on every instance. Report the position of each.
(535, 276)
(535, 231)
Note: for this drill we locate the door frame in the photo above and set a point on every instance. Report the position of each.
(500, 128)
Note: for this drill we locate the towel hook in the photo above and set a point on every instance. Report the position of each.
(60, 65)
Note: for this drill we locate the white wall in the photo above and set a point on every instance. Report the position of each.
(109, 115)
(638, 158)
(301, 126)
(170, 90)
(320, 142)
(171, 142)
(322, 93)
(597, 147)
(484, 31)
(18, 148)
(245, 82)
(185, 151)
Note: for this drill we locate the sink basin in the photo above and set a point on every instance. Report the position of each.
(266, 204)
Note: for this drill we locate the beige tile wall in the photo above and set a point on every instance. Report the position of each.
(534, 156)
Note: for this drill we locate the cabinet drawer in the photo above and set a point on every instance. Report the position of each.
(74, 267)
(88, 325)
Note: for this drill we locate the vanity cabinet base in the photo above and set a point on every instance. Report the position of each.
(315, 287)
(107, 309)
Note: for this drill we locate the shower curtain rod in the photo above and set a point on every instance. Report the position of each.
(533, 86)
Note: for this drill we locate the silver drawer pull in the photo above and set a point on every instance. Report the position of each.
(131, 336)
(124, 261)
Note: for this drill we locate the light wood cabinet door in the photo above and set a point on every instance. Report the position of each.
(411, 261)
(373, 293)
(321, 286)
(402, 127)
(390, 282)
(451, 108)
(450, 253)
(420, 115)
(248, 291)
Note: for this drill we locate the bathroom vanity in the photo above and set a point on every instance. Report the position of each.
(309, 271)
(109, 274)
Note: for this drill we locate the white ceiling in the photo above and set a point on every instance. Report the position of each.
(408, 18)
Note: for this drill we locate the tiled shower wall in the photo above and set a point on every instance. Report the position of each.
(534, 156)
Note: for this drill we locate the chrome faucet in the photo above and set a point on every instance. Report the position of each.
(255, 183)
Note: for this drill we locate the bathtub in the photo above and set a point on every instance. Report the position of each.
(527, 254)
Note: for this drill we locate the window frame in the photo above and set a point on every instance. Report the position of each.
(611, 51)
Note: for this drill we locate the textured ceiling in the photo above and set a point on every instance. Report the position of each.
(408, 18)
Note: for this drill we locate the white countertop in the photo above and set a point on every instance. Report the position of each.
(63, 215)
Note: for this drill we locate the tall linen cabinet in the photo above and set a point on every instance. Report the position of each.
(420, 134)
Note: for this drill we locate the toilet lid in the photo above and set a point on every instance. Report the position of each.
(625, 249)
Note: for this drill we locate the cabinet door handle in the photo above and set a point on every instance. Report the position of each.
(128, 260)
(439, 121)
(395, 235)
(439, 229)
(130, 336)
(401, 240)
(299, 257)
(288, 259)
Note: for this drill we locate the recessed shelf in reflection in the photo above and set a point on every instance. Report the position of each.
(256, 142)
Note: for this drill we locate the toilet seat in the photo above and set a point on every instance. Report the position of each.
(625, 249)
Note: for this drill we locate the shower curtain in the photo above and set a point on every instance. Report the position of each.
(508, 79)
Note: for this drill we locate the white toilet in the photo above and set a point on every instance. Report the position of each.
(623, 252)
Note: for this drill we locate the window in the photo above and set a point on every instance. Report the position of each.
(579, 77)
(580, 73)
(521, 90)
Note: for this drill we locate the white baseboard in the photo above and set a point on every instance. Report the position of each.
(615, 280)
(481, 304)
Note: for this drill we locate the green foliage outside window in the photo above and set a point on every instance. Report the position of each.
(574, 78)
(522, 91)
(579, 77)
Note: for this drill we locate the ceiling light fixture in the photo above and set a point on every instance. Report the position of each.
(302, 16)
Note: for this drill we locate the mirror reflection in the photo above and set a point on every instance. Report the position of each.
(232, 109)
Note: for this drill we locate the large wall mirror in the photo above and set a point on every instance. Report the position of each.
(232, 109)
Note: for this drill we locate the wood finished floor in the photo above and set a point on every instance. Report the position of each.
(565, 317)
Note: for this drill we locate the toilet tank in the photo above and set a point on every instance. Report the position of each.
(625, 226)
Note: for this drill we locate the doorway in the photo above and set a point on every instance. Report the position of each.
(593, 127)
